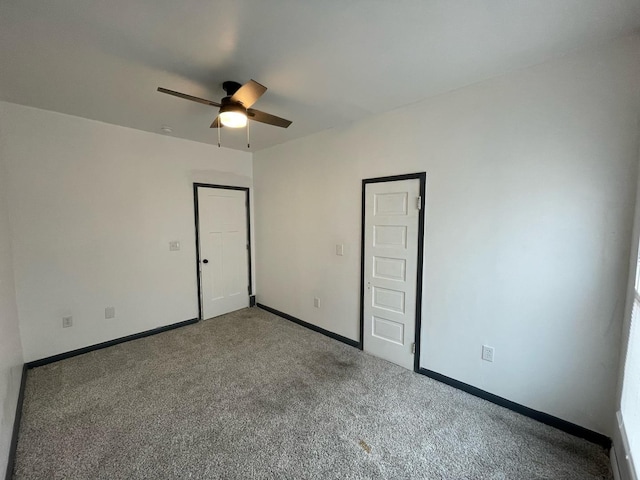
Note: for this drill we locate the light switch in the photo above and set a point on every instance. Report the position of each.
(340, 249)
(174, 246)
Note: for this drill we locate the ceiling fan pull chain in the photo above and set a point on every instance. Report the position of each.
(248, 144)
(219, 128)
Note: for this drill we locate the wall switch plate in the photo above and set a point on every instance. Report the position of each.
(340, 249)
(316, 302)
(110, 312)
(174, 246)
(67, 322)
(487, 353)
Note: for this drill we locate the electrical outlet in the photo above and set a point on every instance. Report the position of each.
(316, 302)
(174, 246)
(340, 249)
(67, 322)
(110, 312)
(487, 353)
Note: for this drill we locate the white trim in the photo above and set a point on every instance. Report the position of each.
(621, 461)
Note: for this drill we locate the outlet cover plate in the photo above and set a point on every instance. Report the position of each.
(487, 353)
(110, 312)
(67, 322)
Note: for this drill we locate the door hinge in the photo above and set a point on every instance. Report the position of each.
(413, 347)
(419, 206)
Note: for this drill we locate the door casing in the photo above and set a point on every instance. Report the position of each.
(197, 224)
(422, 176)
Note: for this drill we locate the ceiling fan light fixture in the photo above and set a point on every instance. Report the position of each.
(233, 116)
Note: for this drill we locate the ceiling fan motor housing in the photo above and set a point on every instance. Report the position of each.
(230, 106)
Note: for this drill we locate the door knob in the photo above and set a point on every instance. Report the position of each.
(205, 261)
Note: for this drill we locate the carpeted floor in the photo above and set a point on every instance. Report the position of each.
(250, 395)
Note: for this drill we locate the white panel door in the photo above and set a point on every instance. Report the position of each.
(224, 276)
(390, 270)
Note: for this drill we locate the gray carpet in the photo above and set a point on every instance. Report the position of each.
(250, 395)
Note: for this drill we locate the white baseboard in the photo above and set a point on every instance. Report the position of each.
(621, 461)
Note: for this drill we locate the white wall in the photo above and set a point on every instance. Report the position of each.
(10, 347)
(93, 208)
(530, 193)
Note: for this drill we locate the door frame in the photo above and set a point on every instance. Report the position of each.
(197, 223)
(422, 176)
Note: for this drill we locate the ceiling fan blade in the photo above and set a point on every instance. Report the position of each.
(267, 118)
(189, 97)
(216, 123)
(248, 93)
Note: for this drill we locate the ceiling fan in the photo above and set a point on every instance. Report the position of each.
(235, 108)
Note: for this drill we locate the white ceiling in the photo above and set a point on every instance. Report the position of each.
(326, 63)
